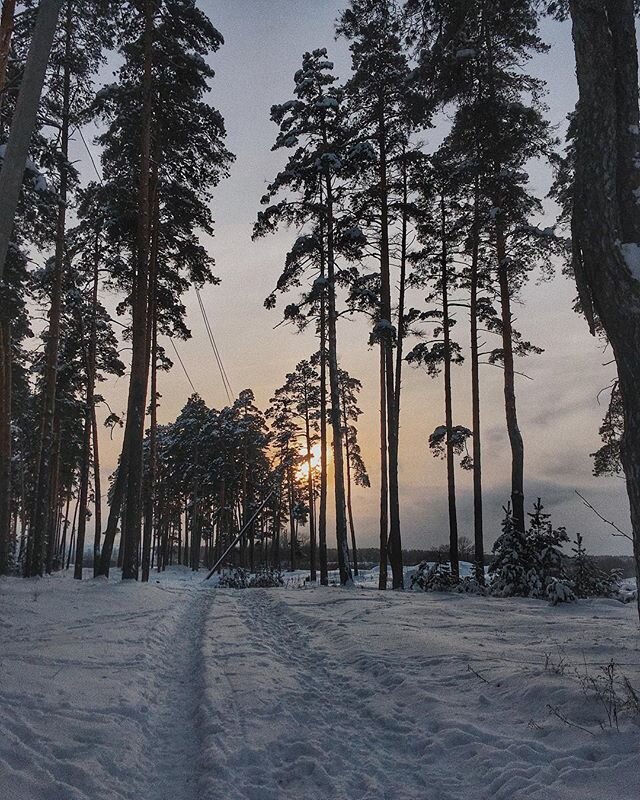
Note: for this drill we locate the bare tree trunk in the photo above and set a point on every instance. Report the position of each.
(44, 469)
(6, 31)
(347, 458)
(384, 486)
(24, 120)
(322, 514)
(395, 540)
(89, 412)
(515, 436)
(606, 212)
(97, 493)
(478, 523)
(5, 443)
(153, 427)
(334, 387)
(292, 523)
(134, 430)
(311, 500)
(448, 402)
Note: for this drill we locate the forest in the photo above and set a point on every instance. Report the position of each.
(205, 615)
(97, 261)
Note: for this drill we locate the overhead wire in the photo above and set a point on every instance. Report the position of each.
(184, 369)
(214, 347)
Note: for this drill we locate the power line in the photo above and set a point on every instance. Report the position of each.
(182, 364)
(216, 352)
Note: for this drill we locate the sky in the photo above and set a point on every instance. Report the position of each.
(558, 402)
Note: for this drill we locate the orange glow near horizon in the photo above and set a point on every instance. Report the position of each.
(316, 455)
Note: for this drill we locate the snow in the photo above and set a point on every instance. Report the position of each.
(327, 102)
(176, 690)
(465, 52)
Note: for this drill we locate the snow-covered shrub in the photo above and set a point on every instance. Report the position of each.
(236, 579)
(433, 578)
(470, 585)
(510, 567)
(266, 579)
(587, 580)
(527, 562)
(242, 579)
(559, 592)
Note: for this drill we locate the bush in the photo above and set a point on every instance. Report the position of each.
(527, 562)
(587, 579)
(560, 592)
(242, 579)
(433, 578)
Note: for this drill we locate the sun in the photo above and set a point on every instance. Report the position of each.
(316, 457)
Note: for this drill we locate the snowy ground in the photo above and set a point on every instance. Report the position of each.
(177, 691)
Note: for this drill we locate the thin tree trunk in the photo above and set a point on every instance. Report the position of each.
(292, 524)
(513, 429)
(347, 456)
(89, 412)
(5, 443)
(395, 540)
(384, 485)
(311, 501)
(97, 493)
(448, 400)
(322, 512)
(153, 427)
(44, 469)
(478, 523)
(338, 464)
(6, 31)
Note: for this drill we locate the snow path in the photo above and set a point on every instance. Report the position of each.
(176, 742)
(330, 694)
(177, 691)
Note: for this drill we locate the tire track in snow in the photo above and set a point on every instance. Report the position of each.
(175, 744)
(286, 719)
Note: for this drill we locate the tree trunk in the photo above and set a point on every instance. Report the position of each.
(384, 485)
(292, 524)
(334, 388)
(24, 120)
(311, 500)
(136, 407)
(448, 402)
(606, 212)
(395, 540)
(5, 444)
(6, 31)
(40, 517)
(97, 494)
(153, 426)
(322, 514)
(513, 429)
(478, 523)
(88, 416)
(347, 458)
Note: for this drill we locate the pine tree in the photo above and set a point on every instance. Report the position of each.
(158, 173)
(382, 108)
(323, 158)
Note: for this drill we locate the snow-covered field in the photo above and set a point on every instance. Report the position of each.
(177, 691)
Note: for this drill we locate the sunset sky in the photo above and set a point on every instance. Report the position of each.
(558, 408)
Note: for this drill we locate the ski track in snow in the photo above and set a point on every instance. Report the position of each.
(176, 691)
